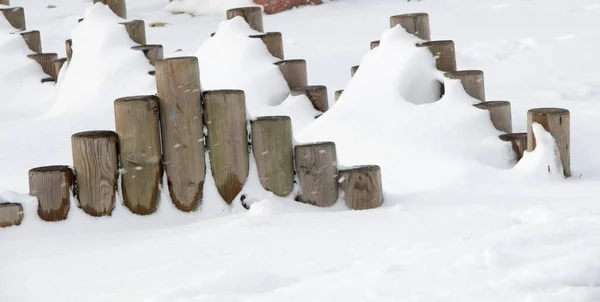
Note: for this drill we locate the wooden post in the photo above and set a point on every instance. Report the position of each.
(96, 171)
(225, 119)
(152, 52)
(136, 30)
(338, 94)
(69, 49)
(362, 187)
(252, 15)
(416, 24)
(272, 148)
(317, 95)
(46, 61)
(557, 121)
(15, 17)
(316, 166)
(57, 66)
(117, 6)
(443, 52)
(472, 81)
(178, 85)
(518, 142)
(500, 114)
(374, 44)
(294, 72)
(5, 2)
(11, 214)
(353, 70)
(52, 187)
(33, 41)
(274, 43)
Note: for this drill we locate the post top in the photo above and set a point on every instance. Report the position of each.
(177, 59)
(95, 134)
(29, 32)
(271, 33)
(548, 110)
(271, 118)
(365, 168)
(411, 15)
(458, 73)
(507, 137)
(315, 144)
(490, 104)
(57, 168)
(246, 8)
(147, 46)
(223, 91)
(133, 22)
(283, 62)
(135, 98)
(435, 42)
(303, 89)
(35, 55)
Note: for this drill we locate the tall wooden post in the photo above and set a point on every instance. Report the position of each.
(316, 167)
(338, 94)
(52, 187)
(317, 94)
(294, 72)
(443, 52)
(227, 140)
(518, 142)
(117, 6)
(557, 121)
(57, 66)
(353, 70)
(500, 114)
(15, 17)
(152, 52)
(137, 126)
(136, 30)
(46, 61)
(416, 24)
(33, 40)
(11, 214)
(178, 85)
(472, 81)
(252, 15)
(69, 49)
(274, 43)
(362, 187)
(374, 44)
(96, 170)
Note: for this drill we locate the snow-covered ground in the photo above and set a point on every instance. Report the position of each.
(459, 222)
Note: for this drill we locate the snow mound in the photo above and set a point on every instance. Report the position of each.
(545, 159)
(204, 7)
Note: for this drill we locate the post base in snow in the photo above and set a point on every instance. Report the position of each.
(416, 24)
(57, 66)
(52, 187)
(518, 142)
(117, 6)
(443, 52)
(152, 52)
(353, 70)
(69, 49)
(557, 121)
(316, 167)
(362, 187)
(11, 214)
(374, 44)
(15, 17)
(274, 43)
(252, 15)
(33, 40)
(500, 114)
(294, 72)
(317, 95)
(136, 30)
(472, 81)
(46, 61)
(337, 94)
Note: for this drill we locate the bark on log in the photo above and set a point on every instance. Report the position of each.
(353, 70)
(317, 95)
(443, 52)
(15, 17)
(338, 94)
(316, 166)
(252, 15)
(33, 40)
(274, 43)
(57, 66)
(362, 187)
(500, 114)
(294, 72)
(11, 214)
(472, 81)
(152, 52)
(52, 187)
(557, 121)
(117, 6)
(136, 30)
(518, 142)
(46, 61)
(375, 44)
(69, 49)
(416, 24)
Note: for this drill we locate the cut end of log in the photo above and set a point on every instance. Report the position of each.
(366, 168)
(283, 62)
(95, 134)
(462, 73)
(45, 169)
(270, 118)
(492, 104)
(315, 144)
(178, 59)
(136, 98)
(223, 91)
(549, 110)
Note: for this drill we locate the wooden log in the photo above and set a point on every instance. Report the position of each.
(178, 85)
(136, 30)
(11, 214)
(252, 15)
(52, 187)
(294, 72)
(472, 81)
(353, 70)
(500, 114)
(46, 61)
(443, 52)
(96, 171)
(374, 44)
(317, 94)
(557, 121)
(137, 124)
(69, 49)
(316, 167)
(33, 40)
(362, 187)
(117, 6)
(416, 24)
(5, 2)
(227, 140)
(274, 43)
(518, 142)
(15, 17)
(338, 94)
(152, 52)
(57, 66)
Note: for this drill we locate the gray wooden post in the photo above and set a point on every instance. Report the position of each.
(15, 17)
(362, 187)
(500, 114)
(46, 61)
(136, 30)
(11, 214)
(316, 167)
(557, 121)
(52, 187)
(252, 15)
(274, 43)
(57, 66)
(353, 70)
(443, 52)
(69, 49)
(33, 40)
(117, 6)
(518, 142)
(472, 81)
(294, 72)
(317, 94)
(338, 93)
(416, 24)
(152, 52)
(374, 44)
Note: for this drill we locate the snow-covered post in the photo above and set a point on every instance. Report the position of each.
(316, 167)
(178, 86)
(416, 24)
(11, 214)
(294, 72)
(274, 43)
(56, 67)
(317, 95)
(557, 122)
(136, 30)
(52, 187)
(374, 44)
(353, 70)
(252, 15)
(518, 142)
(443, 52)
(152, 52)
(472, 81)
(272, 148)
(69, 49)
(500, 114)
(117, 6)
(15, 17)
(138, 128)
(45, 60)
(96, 170)
(33, 41)
(337, 94)
(227, 140)
(362, 187)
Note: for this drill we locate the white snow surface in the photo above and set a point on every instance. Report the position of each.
(460, 221)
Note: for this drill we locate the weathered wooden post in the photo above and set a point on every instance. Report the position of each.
(362, 187)
(227, 140)
(252, 15)
(11, 214)
(294, 72)
(46, 61)
(33, 40)
(472, 81)
(557, 121)
(138, 129)
(96, 171)
(52, 187)
(178, 85)
(272, 148)
(353, 70)
(274, 43)
(152, 52)
(416, 24)
(374, 44)
(57, 66)
(338, 93)
(317, 94)
(69, 49)
(15, 17)
(117, 6)
(443, 52)
(136, 30)
(5, 2)
(518, 142)
(316, 167)
(500, 114)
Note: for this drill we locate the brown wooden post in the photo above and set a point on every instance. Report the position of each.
(52, 187)
(252, 15)
(374, 44)
(15, 17)
(178, 85)
(353, 70)
(69, 49)
(117, 6)
(227, 140)
(33, 40)
(416, 24)
(317, 94)
(443, 52)
(96, 171)
(518, 142)
(136, 30)
(557, 121)
(46, 61)
(152, 52)
(472, 81)
(362, 187)
(5, 2)
(500, 114)
(294, 72)
(57, 66)
(338, 94)
(272, 148)
(11, 214)
(316, 167)
(137, 126)
(274, 43)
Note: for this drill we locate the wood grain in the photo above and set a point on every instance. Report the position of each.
(317, 94)
(5, 2)
(518, 142)
(274, 43)
(362, 187)
(316, 167)
(557, 121)
(338, 93)
(46, 61)
(57, 66)
(117, 6)
(252, 15)
(136, 30)
(33, 40)
(294, 72)
(416, 24)
(152, 52)
(472, 81)
(52, 187)
(444, 54)
(15, 17)
(11, 214)
(500, 114)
